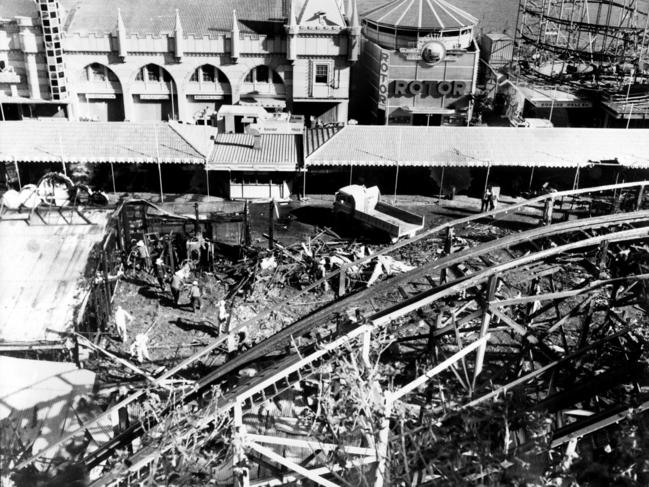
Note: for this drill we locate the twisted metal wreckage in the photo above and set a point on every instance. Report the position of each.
(550, 317)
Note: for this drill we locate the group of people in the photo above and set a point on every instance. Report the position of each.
(489, 199)
(141, 259)
(139, 347)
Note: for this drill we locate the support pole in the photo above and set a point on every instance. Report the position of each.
(638, 202)
(207, 180)
(441, 185)
(197, 224)
(486, 179)
(351, 169)
(112, 175)
(304, 184)
(157, 150)
(20, 186)
(396, 182)
(529, 187)
(246, 219)
(271, 224)
(65, 172)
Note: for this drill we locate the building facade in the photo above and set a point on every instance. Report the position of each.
(144, 60)
(418, 65)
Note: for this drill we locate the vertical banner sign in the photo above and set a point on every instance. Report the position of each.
(384, 78)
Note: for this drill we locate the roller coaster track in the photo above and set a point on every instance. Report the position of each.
(513, 253)
(411, 291)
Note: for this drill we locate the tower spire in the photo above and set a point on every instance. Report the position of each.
(178, 37)
(235, 41)
(292, 29)
(121, 36)
(354, 33)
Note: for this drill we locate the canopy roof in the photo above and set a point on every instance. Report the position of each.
(236, 152)
(380, 145)
(421, 15)
(56, 141)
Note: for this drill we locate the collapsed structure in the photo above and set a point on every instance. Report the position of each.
(489, 350)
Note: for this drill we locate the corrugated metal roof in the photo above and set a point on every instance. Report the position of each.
(421, 14)
(52, 141)
(235, 152)
(315, 137)
(382, 145)
(198, 17)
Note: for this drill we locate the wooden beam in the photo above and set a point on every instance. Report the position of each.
(291, 465)
(313, 445)
(411, 386)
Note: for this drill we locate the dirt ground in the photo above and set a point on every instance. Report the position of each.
(177, 332)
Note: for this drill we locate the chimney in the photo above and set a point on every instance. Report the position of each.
(256, 144)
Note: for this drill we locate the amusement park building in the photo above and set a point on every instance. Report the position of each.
(152, 60)
(418, 64)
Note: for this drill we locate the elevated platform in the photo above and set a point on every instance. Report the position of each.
(42, 267)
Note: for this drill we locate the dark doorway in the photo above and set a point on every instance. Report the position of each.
(427, 120)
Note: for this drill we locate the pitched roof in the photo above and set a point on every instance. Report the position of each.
(380, 145)
(50, 141)
(235, 152)
(315, 137)
(421, 14)
(158, 17)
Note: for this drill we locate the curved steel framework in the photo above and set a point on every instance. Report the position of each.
(582, 32)
(514, 319)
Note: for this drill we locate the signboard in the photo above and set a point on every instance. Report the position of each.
(154, 97)
(562, 104)
(384, 78)
(271, 127)
(207, 97)
(429, 88)
(100, 96)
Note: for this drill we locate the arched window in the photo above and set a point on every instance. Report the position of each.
(98, 73)
(153, 72)
(209, 74)
(263, 74)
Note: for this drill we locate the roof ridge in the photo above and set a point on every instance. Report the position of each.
(307, 157)
(173, 124)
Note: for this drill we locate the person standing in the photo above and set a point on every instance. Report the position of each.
(195, 295)
(121, 315)
(139, 347)
(486, 199)
(143, 255)
(176, 286)
(160, 273)
(493, 198)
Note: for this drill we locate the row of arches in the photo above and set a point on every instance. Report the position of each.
(156, 94)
